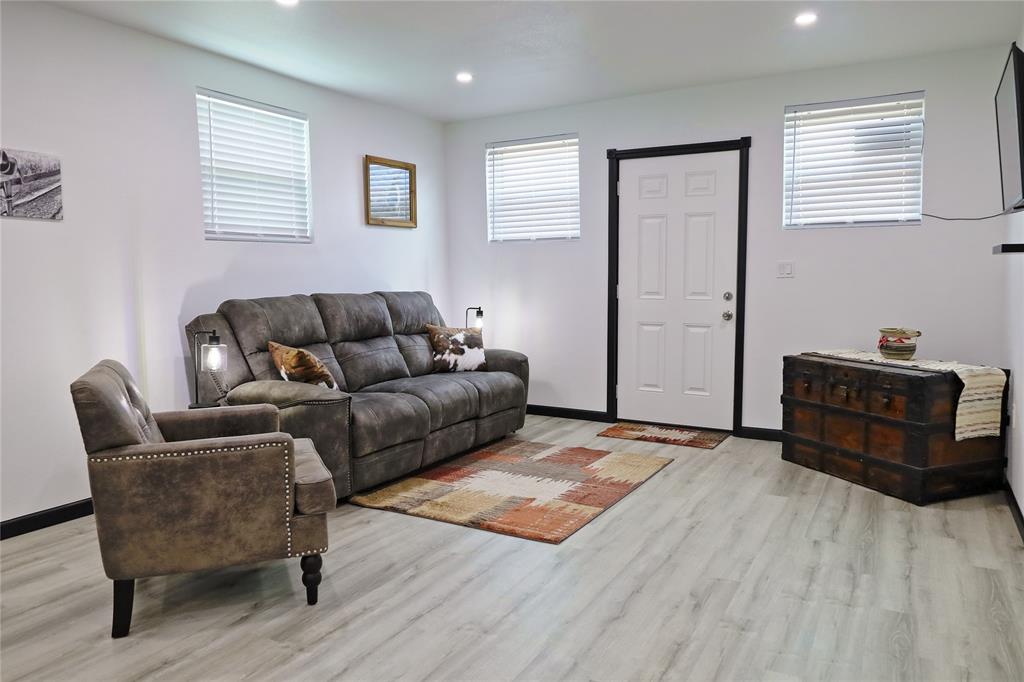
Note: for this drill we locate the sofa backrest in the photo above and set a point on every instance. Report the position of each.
(411, 312)
(363, 339)
(289, 320)
(360, 332)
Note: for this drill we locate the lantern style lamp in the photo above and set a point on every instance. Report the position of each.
(211, 356)
(478, 321)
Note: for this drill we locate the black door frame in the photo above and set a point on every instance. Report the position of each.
(742, 145)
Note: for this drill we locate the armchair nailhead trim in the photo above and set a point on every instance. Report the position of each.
(287, 504)
(186, 453)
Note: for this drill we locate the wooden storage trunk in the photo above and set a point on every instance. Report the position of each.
(886, 427)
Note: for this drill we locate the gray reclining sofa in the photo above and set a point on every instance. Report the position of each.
(393, 414)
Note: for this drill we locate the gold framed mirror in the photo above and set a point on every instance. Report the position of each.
(389, 192)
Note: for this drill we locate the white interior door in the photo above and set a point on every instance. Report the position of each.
(678, 240)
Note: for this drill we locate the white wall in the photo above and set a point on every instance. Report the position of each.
(549, 298)
(1015, 344)
(128, 266)
(1015, 355)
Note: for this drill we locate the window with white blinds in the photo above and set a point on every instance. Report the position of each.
(255, 170)
(855, 162)
(533, 188)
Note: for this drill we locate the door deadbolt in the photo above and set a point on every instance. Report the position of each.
(727, 315)
(727, 296)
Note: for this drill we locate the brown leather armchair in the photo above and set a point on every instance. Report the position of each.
(175, 492)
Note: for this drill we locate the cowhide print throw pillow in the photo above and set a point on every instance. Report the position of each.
(457, 349)
(296, 364)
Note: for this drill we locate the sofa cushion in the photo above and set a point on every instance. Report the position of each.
(353, 317)
(380, 420)
(496, 391)
(411, 312)
(449, 402)
(418, 353)
(358, 327)
(370, 362)
(314, 485)
(290, 320)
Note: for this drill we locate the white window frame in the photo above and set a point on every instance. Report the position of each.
(566, 232)
(221, 230)
(912, 184)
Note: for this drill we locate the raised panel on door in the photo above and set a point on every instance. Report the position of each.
(651, 255)
(650, 356)
(701, 183)
(699, 256)
(698, 345)
(653, 186)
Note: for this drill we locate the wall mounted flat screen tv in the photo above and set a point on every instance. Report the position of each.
(1010, 129)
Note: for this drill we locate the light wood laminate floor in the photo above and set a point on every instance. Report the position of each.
(729, 564)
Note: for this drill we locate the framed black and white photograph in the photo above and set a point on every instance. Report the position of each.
(30, 185)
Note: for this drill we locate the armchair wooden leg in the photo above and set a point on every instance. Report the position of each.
(311, 575)
(124, 595)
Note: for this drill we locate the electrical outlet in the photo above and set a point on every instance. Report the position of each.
(785, 269)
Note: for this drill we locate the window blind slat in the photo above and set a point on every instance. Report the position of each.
(533, 189)
(853, 162)
(254, 163)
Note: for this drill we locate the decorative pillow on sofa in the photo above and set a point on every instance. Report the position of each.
(457, 349)
(296, 364)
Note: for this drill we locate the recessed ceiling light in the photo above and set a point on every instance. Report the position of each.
(464, 77)
(802, 19)
(287, 3)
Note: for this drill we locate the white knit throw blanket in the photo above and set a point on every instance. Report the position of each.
(980, 409)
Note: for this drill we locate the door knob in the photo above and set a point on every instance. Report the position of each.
(727, 315)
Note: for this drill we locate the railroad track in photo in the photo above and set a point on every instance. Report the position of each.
(30, 185)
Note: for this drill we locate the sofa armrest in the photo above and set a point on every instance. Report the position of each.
(165, 508)
(308, 411)
(214, 422)
(499, 360)
(282, 393)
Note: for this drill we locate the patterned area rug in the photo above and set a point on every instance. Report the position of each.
(515, 487)
(671, 435)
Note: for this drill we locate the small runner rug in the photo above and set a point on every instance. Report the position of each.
(522, 488)
(671, 435)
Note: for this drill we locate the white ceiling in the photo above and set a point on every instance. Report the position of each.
(530, 55)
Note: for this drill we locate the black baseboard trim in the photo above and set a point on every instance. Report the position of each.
(45, 518)
(568, 413)
(1018, 517)
(758, 433)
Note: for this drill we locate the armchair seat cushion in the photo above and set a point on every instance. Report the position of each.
(449, 402)
(497, 391)
(380, 420)
(314, 485)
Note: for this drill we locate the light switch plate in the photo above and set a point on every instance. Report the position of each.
(785, 269)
